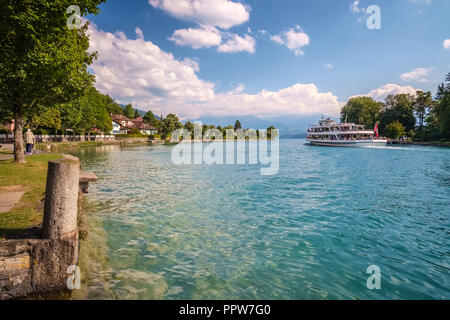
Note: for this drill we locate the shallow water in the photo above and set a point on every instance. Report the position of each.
(161, 231)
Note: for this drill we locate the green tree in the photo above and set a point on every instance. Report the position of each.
(42, 61)
(362, 110)
(112, 106)
(442, 110)
(70, 115)
(237, 125)
(269, 132)
(395, 130)
(170, 124)
(136, 114)
(399, 108)
(152, 120)
(189, 126)
(94, 112)
(46, 117)
(422, 104)
(149, 117)
(129, 111)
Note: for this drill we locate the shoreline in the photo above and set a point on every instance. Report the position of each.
(55, 146)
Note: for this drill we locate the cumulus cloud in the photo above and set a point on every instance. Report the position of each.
(418, 74)
(209, 15)
(293, 39)
(197, 38)
(236, 43)
(446, 44)
(382, 92)
(139, 72)
(218, 13)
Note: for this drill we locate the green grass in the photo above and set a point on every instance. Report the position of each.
(32, 176)
(67, 145)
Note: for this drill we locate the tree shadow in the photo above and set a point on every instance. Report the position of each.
(21, 233)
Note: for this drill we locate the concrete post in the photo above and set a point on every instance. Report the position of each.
(61, 198)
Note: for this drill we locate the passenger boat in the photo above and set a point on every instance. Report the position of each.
(329, 133)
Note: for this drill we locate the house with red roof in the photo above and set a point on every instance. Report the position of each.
(123, 125)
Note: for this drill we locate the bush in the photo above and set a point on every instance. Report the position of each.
(134, 131)
(131, 136)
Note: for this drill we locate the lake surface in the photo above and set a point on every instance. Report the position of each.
(161, 231)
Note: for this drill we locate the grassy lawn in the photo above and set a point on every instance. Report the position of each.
(67, 145)
(32, 177)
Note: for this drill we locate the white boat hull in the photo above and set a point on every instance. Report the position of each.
(347, 143)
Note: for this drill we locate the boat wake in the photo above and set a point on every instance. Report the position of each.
(397, 148)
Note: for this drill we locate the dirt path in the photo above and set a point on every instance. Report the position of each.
(9, 197)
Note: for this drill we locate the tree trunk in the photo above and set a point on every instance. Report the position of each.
(19, 152)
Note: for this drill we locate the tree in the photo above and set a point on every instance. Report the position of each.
(152, 120)
(422, 104)
(94, 112)
(442, 110)
(399, 108)
(70, 115)
(42, 61)
(136, 114)
(395, 130)
(237, 125)
(189, 126)
(149, 117)
(269, 132)
(129, 111)
(112, 106)
(48, 118)
(362, 110)
(170, 124)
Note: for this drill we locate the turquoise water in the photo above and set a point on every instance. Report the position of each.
(161, 231)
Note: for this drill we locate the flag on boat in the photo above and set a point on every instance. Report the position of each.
(376, 130)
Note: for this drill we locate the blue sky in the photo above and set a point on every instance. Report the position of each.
(266, 59)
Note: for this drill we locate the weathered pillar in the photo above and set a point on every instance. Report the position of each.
(61, 198)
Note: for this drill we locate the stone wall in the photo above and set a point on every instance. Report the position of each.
(36, 266)
(41, 265)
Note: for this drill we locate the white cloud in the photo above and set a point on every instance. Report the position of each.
(382, 92)
(418, 74)
(236, 43)
(293, 39)
(197, 38)
(206, 37)
(446, 44)
(218, 13)
(139, 72)
(328, 65)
